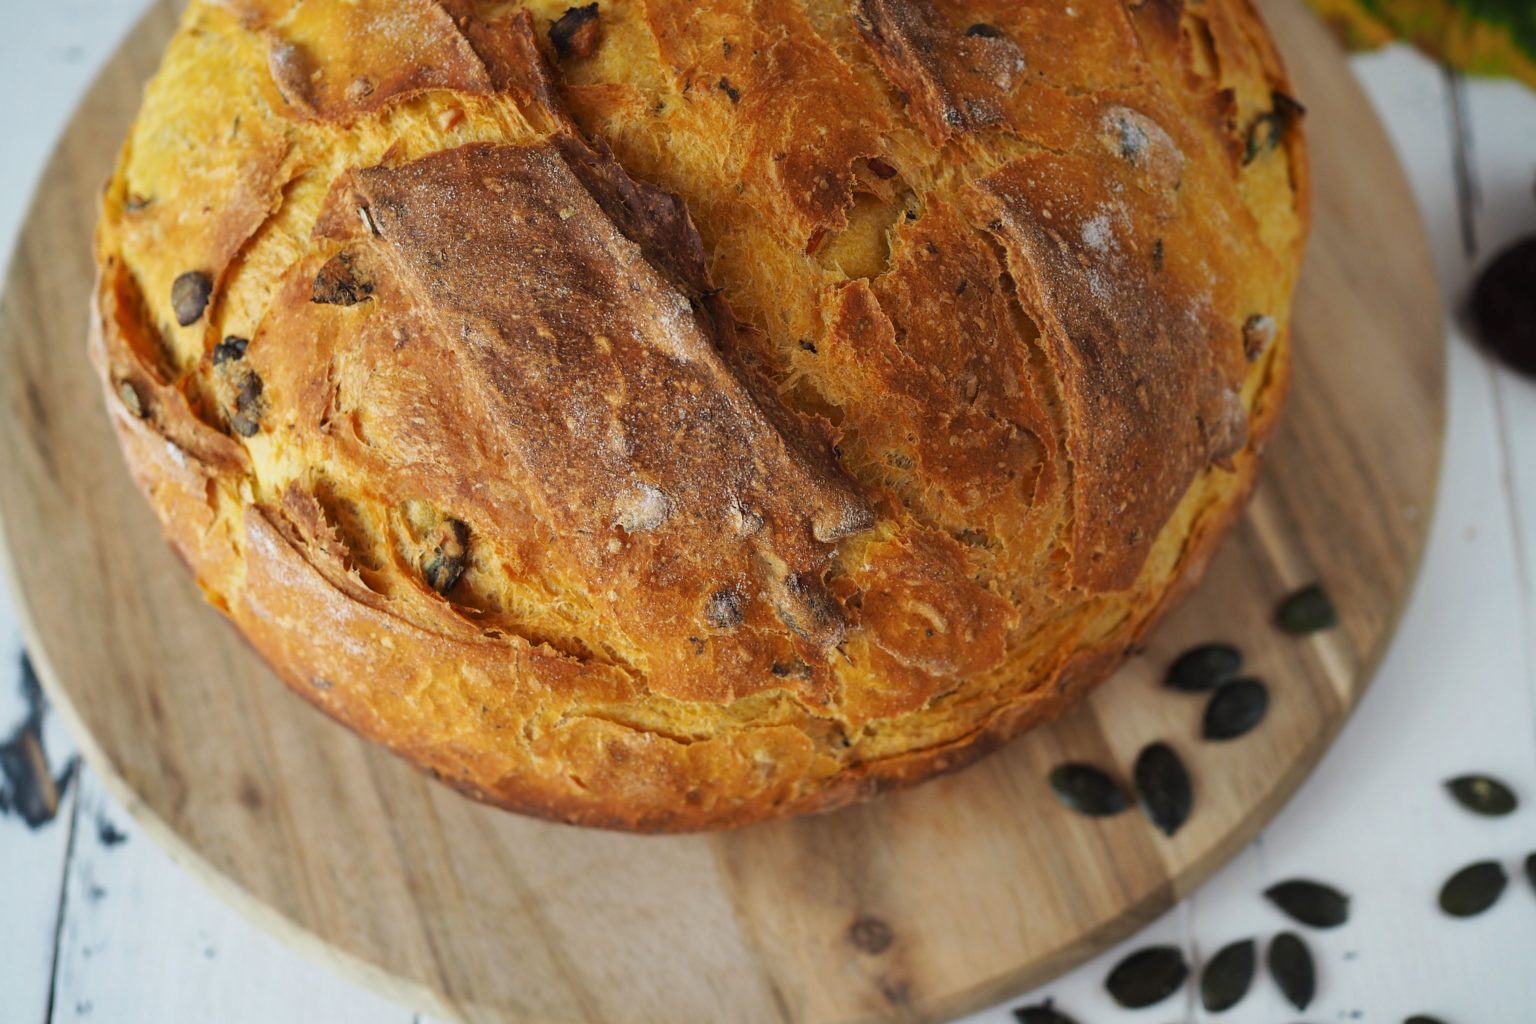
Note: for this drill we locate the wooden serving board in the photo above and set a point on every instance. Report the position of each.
(918, 906)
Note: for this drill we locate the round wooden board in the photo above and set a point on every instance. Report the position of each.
(986, 884)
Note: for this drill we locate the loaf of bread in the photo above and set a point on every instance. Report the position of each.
(668, 414)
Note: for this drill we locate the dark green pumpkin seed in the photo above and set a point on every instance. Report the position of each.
(1041, 1013)
(1163, 787)
(566, 32)
(1268, 129)
(1258, 334)
(1312, 903)
(1483, 794)
(1308, 610)
(444, 562)
(1147, 977)
(1290, 962)
(1473, 889)
(1287, 106)
(1420, 1018)
(131, 400)
(1530, 870)
(1235, 708)
(231, 349)
(189, 296)
(1227, 976)
(340, 282)
(1087, 790)
(1204, 668)
(248, 407)
(242, 388)
(723, 609)
(1263, 136)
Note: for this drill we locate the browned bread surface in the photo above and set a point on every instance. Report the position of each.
(666, 415)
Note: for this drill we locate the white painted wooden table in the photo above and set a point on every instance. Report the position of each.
(97, 924)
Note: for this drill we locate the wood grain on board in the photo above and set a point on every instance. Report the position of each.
(982, 884)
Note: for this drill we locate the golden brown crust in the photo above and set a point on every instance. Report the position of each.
(955, 78)
(677, 415)
(1145, 409)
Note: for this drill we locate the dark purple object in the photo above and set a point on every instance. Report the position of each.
(1504, 307)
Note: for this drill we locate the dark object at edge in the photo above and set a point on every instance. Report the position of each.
(1503, 307)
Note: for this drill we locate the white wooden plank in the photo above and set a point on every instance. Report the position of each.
(143, 942)
(1503, 126)
(46, 60)
(32, 854)
(1503, 118)
(49, 54)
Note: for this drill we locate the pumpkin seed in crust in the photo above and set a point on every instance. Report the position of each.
(231, 349)
(577, 32)
(189, 296)
(444, 562)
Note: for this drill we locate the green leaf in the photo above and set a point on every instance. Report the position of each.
(1482, 37)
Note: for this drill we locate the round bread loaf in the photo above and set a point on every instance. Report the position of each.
(664, 415)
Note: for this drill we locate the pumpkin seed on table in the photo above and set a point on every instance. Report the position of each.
(1163, 787)
(1204, 668)
(1420, 1018)
(1228, 976)
(1147, 977)
(1530, 870)
(1235, 709)
(1483, 794)
(1473, 889)
(1087, 790)
(1041, 1013)
(1312, 903)
(1308, 610)
(1290, 962)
